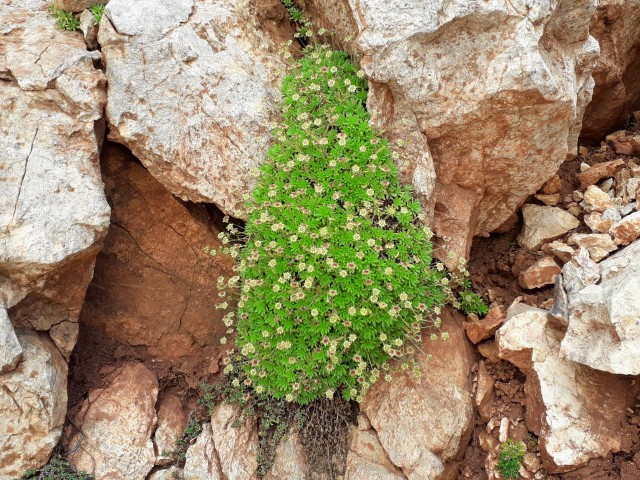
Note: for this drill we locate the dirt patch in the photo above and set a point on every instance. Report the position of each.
(495, 264)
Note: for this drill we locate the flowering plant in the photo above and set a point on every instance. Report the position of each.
(335, 272)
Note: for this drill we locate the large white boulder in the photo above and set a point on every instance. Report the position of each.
(53, 212)
(193, 88)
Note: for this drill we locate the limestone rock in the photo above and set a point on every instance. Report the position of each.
(575, 411)
(155, 243)
(237, 448)
(549, 200)
(440, 404)
(172, 421)
(367, 459)
(192, 91)
(483, 329)
(552, 186)
(616, 26)
(53, 212)
(560, 250)
(489, 350)
(89, 29)
(290, 460)
(596, 200)
(626, 230)
(484, 395)
(33, 403)
(599, 171)
(479, 80)
(542, 272)
(602, 222)
(202, 462)
(604, 314)
(10, 349)
(543, 224)
(599, 245)
(116, 424)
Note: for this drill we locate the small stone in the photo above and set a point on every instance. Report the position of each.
(621, 144)
(504, 429)
(632, 189)
(625, 210)
(531, 462)
(485, 328)
(485, 395)
(601, 222)
(10, 349)
(172, 421)
(89, 29)
(550, 199)
(599, 245)
(596, 200)
(489, 350)
(65, 335)
(583, 151)
(552, 186)
(543, 224)
(577, 196)
(597, 172)
(560, 250)
(606, 186)
(541, 273)
(626, 230)
(363, 422)
(575, 210)
(487, 441)
(584, 167)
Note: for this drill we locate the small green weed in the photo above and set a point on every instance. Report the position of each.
(65, 20)
(509, 459)
(97, 10)
(58, 468)
(179, 454)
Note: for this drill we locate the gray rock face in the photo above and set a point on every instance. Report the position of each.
(604, 313)
(53, 217)
(192, 91)
(53, 212)
(33, 403)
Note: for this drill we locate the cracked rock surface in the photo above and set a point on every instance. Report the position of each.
(192, 91)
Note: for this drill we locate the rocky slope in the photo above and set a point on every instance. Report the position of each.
(484, 102)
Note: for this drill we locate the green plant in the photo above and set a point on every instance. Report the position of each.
(509, 459)
(97, 10)
(179, 453)
(64, 20)
(336, 276)
(58, 468)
